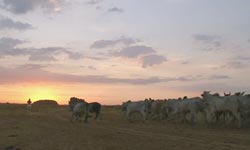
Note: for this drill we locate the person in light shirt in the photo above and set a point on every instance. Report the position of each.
(29, 104)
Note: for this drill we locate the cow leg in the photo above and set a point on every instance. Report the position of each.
(238, 117)
(209, 118)
(79, 118)
(192, 117)
(128, 113)
(99, 115)
(86, 119)
(96, 115)
(183, 118)
(144, 116)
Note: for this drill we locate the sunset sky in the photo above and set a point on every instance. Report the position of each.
(115, 50)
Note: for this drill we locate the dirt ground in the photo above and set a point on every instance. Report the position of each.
(49, 128)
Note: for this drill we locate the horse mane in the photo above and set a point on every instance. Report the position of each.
(74, 100)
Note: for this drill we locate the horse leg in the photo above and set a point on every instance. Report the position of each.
(86, 117)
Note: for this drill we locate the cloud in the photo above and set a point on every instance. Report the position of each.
(210, 42)
(50, 53)
(205, 38)
(94, 2)
(238, 62)
(33, 73)
(7, 23)
(89, 67)
(134, 51)
(185, 62)
(129, 48)
(45, 54)
(36, 73)
(9, 47)
(9, 43)
(233, 65)
(115, 9)
(24, 6)
(236, 65)
(213, 86)
(110, 43)
(151, 60)
(219, 77)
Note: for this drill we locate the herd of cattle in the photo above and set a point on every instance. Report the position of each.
(212, 108)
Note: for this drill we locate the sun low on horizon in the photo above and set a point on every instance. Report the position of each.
(41, 93)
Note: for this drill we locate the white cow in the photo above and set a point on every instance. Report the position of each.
(222, 104)
(157, 109)
(245, 106)
(180, 108)
(143, 107)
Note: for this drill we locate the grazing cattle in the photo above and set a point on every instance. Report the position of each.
(245, 107)
(143, 107)
(222, 104)
(156, 109)
(124, 105)
(180, 108)
(79, 109)
(229, 94)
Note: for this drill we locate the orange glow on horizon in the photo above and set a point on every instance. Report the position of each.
(105, 94)
(38, 93)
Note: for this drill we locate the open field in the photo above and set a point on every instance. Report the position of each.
(48, 128)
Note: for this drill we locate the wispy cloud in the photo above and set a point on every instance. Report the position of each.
(151, 60)
(210, 42)
(130, 48)
(219, 77)
(24, 6)
(237, 62)
(134, 51)
(110, 43)
(35, 73)
(115, 9)
(9, 47)
(7, 23)
(89, 67)
(94, 2)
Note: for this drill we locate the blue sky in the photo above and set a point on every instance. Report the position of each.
(118, 50)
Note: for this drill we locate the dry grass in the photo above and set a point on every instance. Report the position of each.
(48, 128)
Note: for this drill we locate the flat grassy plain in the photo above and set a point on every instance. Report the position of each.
(49, 128)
